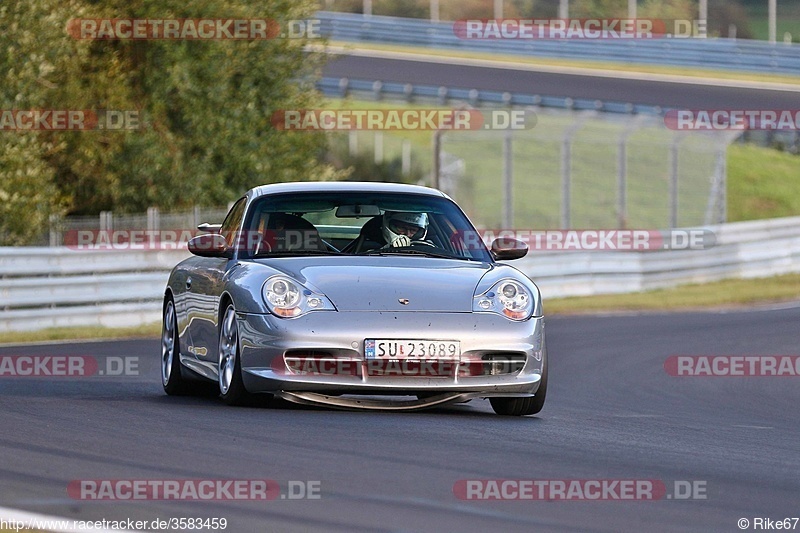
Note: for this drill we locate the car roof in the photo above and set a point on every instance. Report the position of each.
(344, 186)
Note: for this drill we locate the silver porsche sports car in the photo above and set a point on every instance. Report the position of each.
(354, 295)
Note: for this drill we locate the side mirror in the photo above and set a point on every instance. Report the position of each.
(506, 249)
(209, 245)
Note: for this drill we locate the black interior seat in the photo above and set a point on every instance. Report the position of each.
(369, 238)
(286, 232)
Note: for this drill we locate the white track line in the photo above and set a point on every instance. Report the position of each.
(25, 517)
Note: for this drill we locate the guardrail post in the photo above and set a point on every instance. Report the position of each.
(442, 93)
(434, 10)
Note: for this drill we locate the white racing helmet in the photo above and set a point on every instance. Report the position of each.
(394, 222)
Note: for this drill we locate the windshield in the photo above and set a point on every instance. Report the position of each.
(359, 224)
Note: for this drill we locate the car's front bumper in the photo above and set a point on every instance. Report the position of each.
(265, 339)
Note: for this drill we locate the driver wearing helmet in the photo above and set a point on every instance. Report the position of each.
(400, 229)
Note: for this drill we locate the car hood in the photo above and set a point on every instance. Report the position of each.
(383, 283)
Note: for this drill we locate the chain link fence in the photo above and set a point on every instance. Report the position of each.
(588, 169)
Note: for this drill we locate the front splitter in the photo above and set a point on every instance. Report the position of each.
(349, 403)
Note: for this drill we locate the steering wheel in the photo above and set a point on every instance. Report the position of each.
(424, 243)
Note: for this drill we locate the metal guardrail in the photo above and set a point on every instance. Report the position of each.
(711, 53)
(58, 287)
(342, 87)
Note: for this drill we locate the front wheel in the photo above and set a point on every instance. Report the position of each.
(231, 385)
(522, 406)
(171, 378)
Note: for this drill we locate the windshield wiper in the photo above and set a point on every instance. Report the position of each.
(411, 251)
(303, 253)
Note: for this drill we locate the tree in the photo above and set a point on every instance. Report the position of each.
(204, 108)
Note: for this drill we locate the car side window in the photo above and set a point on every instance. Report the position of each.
(233, 222)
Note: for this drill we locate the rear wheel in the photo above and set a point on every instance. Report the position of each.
(171, 378)
(522, 406)
(231, 385)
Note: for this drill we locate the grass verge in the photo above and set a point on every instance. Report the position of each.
(726, 293)
(762, 183)
(81, 333)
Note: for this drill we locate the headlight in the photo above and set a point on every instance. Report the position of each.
(508, 298)
(288, 298)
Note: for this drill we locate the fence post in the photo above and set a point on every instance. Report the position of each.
(673, 184)
(153, 219)
(378, 147)
(508, 180)
(566, 167)
(352, 142)
(566, 163)
(55, 231)
(722, 159)
(622, 182)
(106, 221)
(437, 158)
(406, 157)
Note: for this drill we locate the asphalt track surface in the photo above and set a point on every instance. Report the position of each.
(665, 94)
(612, 413)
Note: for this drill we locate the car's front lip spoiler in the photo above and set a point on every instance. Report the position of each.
(344, 402)
(371, 404)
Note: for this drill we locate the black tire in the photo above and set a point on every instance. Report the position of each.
(172, 380)
(229, 368)
(522, 406)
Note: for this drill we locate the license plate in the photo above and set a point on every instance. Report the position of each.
(411, 349)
